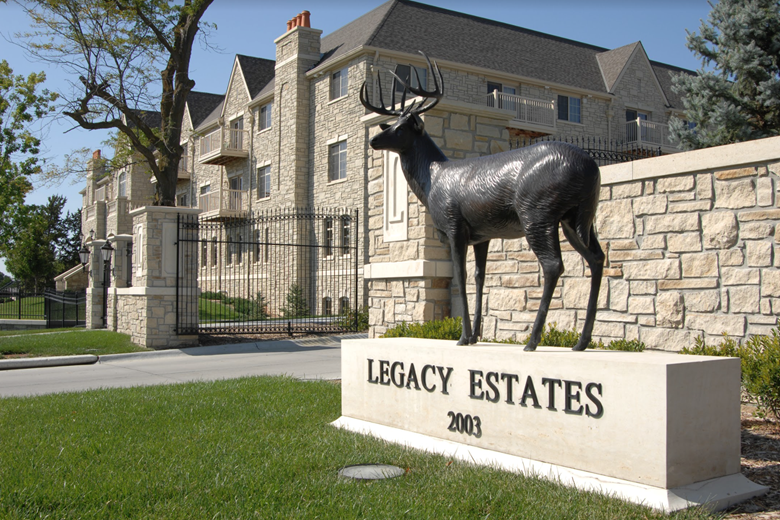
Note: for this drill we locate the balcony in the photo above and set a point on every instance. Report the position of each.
(530, 111)
(224, 204)
(644, 132)
(214, 149)
(184, 173)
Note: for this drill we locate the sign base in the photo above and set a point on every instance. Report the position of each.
(654, 428)
(715, 494)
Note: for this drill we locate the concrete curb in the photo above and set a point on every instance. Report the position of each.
(41, 362)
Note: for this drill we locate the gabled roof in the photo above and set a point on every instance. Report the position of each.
(257, 72)
(614, 62)
(200, 105)
(213, 116)
(407, 26)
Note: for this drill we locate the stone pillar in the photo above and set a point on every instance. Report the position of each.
(410, 273)
(147, 310)
(95, 294)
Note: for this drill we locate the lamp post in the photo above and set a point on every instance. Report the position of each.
(106, 250)
(84, 256)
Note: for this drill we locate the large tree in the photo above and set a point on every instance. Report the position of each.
(130, 56)
(21, 106)
(736, 94)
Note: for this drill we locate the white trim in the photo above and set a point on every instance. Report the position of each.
(729, 156)
(143, 291)
(408, 269)
(315, 57)
(337, 139)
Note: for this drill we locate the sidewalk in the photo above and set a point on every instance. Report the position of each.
(307, 358)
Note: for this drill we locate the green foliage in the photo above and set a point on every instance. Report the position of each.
(21, 105)
(738, 98)
(255, 308)
(448, 328)
(297, 306)
(38, 243)
(66, 343)
(627, 345)
(348, 320)
(760, 360)
(211, 295)
(216, 306)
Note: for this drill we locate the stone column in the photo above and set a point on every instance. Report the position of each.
(95, 294)
(148, 309)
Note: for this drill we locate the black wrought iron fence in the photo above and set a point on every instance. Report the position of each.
(604, 151)
(286, 271)
(65, 309)
(18, 304)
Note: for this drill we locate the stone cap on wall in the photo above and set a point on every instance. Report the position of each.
(408, 269)
(708, 159)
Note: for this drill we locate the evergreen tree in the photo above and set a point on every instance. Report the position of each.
(297, 306)
(738, 98)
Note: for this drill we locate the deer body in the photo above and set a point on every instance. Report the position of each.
(526, 192)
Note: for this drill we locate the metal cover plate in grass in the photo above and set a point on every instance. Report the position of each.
(370, 471)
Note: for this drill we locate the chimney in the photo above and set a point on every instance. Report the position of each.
(289, 25)
(299, 20)
(96, 155)
(306, 18)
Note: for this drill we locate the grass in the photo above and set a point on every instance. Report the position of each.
(67, 342)
(246, 448)
(32, 309)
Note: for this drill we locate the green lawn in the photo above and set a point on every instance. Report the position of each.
(211, 311)
(247, 448)
(32, 309)
(64, 342)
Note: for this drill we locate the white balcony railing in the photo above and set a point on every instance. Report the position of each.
(215, 149)
(526, 110)
(101, 194)
(224, 202)
(649, 132)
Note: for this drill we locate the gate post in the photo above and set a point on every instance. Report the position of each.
(148, 309)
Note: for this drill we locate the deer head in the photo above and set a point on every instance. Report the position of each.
(401, 135)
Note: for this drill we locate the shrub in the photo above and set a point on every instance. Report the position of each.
(297, 306)
(728, 347)
(448, 328)
(251, 308)
(211, 295)
(348, 319)
(628, 345)
(552, 337)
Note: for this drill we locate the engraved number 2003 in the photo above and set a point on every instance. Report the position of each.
(470, 425)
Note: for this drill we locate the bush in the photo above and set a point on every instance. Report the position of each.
(628, 345)
(448, 328)
(251, 308)
(297, 306)
(760, 360)
(211, 295)
(348, 319)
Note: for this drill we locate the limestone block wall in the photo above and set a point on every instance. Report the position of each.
(693, 247)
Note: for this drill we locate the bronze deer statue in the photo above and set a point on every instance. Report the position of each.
(523, 192)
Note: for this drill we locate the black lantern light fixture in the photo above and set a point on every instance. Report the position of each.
(106, 250)
(84, 256)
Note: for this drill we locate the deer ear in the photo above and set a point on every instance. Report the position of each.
(384, 126)
(419, 126)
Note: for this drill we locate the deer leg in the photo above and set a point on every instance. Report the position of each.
(480, 260)
(594, 256)
(458, 247)
(545, 244)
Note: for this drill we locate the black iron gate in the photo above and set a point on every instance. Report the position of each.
(286, 271)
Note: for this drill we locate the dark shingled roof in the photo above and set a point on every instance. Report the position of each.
(201, 104)
(258, 72)
(407, 26)
(151, 117)
(613, 62)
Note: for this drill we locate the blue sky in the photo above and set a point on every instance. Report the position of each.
(250, 27)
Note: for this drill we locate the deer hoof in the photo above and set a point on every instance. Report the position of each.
(579, 347)
(530, 348)
(463, 341)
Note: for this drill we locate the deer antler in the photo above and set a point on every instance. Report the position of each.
(435, 94)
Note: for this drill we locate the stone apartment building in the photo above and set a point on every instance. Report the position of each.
(291, 132)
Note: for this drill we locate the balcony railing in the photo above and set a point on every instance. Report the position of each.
(215, 149)
(101, 194)
(526, 110)
(641, 131)
(184, 170)
(224, 204)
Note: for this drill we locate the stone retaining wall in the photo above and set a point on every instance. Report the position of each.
(692, 248)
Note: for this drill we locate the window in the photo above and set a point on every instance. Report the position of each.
(345, 235)
(181, 200)
(257, 245)
(328, 232)
(240, 249)
(337, 161)
(204, 253)
(205, 196)
(410, 78)
(229, 251)
(122, 188)
(264, 116)
(267, 248)
(264, 182)
(183, 171)
(569, 109)
(327, 306)
(343, 305)
(338, 83)
(632, 132)
(235, 202)
(214, 252)
(497, 101)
